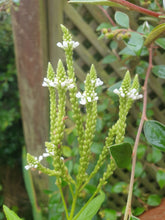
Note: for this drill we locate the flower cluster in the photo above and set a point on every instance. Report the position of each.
(66, 44)
(68, 83)
(38, 160)
(86, 97)
(132, 94)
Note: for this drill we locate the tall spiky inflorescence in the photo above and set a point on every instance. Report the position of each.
(88, 98)
(59, 83)
(68, 45)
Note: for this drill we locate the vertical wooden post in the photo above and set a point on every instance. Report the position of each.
(30, 38)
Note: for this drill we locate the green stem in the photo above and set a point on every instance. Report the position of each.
(63, 200)
(73, 205)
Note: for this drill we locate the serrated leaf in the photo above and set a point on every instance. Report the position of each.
(154, 34)
(98, 2)
(160, 177)
(159, 70)
(121, 153)
(155, 134)
(154, 200)
(92, 208)
(10, 215)
(122, 19)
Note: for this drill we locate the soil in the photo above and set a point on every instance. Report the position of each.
(157, 213)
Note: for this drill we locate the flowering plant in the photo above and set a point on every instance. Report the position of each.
(59, 84)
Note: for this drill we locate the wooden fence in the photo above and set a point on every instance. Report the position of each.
(36, 28)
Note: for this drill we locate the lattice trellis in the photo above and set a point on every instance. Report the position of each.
(83, 20)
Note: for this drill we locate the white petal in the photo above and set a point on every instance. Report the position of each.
(27, 167)
(46, 155)
(79, 95)
(116, 91)
(59, 44)
(83, 101)
(98, 82)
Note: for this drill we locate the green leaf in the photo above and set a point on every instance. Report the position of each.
(155, 132)
(138, 211)
(122, 19)
(110, 214)
(103, 25)
(92, 208)
(159, 70)
(135, 43)
(109, 59)
(10, 215)
(154, 200)
(134, 218)
(161, 42)
(141, 151)
(138, 169)
(67, 152)
(160, 177)
(121, 153)
(96, 148)
(155, 156)
(154, 34)
(119, 187)
(98, 2)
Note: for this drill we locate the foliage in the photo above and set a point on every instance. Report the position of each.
(136, 45)
(11, 139)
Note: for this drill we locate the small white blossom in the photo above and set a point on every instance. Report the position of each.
(98, 82)
(79, 95)
(132, 94)
(27, 167)
(40, 158)
(66, 44)
(67, 83)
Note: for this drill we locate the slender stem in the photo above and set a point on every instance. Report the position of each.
(73, 205)
(143, 118)
(134, 7)
(107, 15)
(63, 200)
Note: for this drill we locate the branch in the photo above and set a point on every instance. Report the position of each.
(136, 8)
(143, 118)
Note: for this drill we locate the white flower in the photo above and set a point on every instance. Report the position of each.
(83, 101)
(132, 94)
(67, 83)
(98, 82)
(79, 95)
(40, 158)
(66, 44)
(27, 167)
